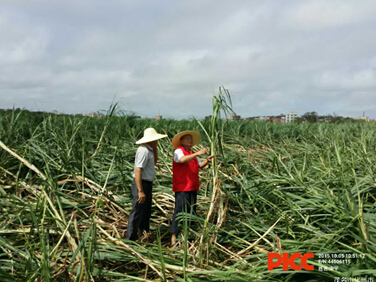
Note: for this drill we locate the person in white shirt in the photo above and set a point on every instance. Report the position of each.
(142, 184)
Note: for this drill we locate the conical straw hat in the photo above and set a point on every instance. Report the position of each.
(150, 135)
(195, 138)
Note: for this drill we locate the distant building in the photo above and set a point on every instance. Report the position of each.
(208, 117)
(96, 115)
(362, 118)
(137, 117)
(158, 117)
(277, 119)
(235, 117)
(290, 117)
(262, 118)
(325, 119)
(258, 118)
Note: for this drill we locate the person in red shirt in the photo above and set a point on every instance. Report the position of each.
(185, 181)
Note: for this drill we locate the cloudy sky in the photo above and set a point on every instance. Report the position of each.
(169, 57)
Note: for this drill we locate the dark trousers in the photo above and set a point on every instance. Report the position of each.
(184, 201)
(139, 218)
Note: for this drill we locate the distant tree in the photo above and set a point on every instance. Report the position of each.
(338, 119)
(311, 117)
(326, 118)
(349, 119)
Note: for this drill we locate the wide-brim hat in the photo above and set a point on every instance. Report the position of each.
(195, 138)
(150, 135)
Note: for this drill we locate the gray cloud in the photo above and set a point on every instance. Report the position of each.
(170, 57)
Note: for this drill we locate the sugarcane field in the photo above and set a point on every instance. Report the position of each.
(270, 189)
(187, 141)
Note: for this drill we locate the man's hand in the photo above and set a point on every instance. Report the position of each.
(205, 162)
(202, 152)
(141, 197)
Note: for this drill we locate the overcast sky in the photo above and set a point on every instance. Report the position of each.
(169, 57)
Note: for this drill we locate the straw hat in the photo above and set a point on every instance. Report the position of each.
(195, 138)
(150, 135)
